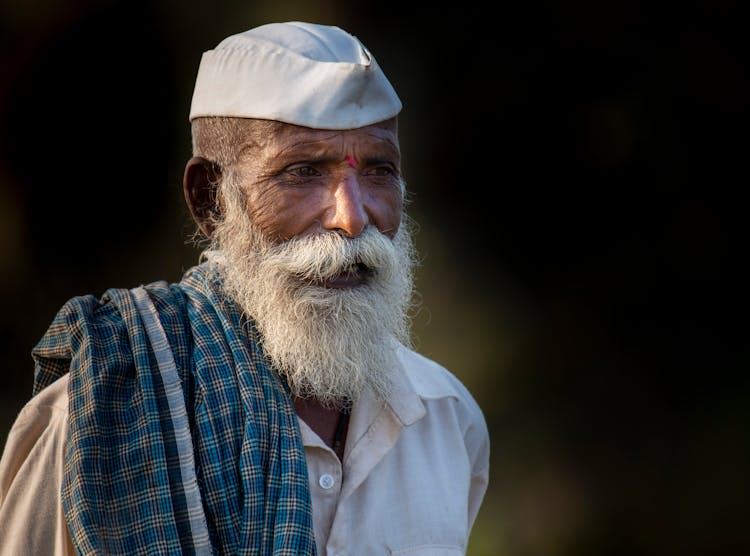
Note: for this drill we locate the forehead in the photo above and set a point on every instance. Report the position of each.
(289, 140)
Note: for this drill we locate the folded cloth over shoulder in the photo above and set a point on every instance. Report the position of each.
(122, 489)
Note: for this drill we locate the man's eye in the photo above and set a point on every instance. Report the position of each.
(381, 171)
(303, 171)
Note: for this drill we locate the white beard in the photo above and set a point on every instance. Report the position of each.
(330, 344)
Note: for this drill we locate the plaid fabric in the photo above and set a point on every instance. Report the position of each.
(122, 490)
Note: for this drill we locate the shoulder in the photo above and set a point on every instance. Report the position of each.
(39, 431)
(101, 328)
(31, 474)
(447, 400)
(53, 398)
(114, 307)
(431, 380)
(44, 411)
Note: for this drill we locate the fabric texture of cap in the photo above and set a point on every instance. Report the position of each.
(300, 73)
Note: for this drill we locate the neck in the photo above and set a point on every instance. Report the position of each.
(329, 424)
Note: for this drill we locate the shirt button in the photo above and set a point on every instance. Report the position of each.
(326, 481)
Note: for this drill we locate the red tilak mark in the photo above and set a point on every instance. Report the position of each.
(352, 161)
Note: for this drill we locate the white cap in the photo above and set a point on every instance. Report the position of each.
(300, 73)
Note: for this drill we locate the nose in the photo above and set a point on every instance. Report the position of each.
(347, 213)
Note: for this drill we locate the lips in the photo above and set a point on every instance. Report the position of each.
(354, 275)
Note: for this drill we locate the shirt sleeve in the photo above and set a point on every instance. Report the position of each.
(478, 447)
(477, 490)
(32, 521)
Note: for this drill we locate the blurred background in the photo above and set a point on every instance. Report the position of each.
(576, 170)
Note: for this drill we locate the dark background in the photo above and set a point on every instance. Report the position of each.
(576, 170)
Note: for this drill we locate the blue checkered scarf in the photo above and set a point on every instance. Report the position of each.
(122, 492)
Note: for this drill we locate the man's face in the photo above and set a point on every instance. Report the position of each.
(303, 181)
(316, 253)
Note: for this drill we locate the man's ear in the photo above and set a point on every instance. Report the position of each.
(200, 184)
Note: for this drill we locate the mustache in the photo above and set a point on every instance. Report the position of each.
(326, 255)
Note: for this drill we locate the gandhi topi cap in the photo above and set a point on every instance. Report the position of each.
(312, 75)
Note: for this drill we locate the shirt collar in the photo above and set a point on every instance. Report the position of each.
(415, 380)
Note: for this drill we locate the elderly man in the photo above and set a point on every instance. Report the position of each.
(268, 403)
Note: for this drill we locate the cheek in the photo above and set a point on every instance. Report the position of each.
(283, 215)
(387, 213)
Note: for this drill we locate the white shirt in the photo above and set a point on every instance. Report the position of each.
(414, 473)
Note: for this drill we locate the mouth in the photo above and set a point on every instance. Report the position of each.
(354, 275)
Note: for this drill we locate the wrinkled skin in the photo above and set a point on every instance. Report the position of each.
(301, 181)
